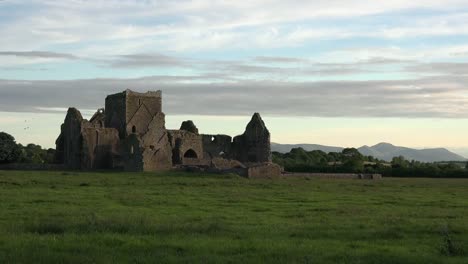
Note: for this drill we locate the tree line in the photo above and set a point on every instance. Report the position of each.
(11, 152)
(350, 160)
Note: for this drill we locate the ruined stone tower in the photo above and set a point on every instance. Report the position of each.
(130, 134)
(254, 144)
(140, 122)
(131, 112)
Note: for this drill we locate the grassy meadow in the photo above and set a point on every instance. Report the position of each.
(91, 217)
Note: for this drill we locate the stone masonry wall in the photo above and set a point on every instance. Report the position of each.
(254, 144)
(115, 113)
(184, 144)
(216, 146)
(99, 147)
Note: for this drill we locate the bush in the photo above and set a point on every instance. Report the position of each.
(9, 150)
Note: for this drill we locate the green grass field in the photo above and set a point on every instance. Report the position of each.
(70, 217)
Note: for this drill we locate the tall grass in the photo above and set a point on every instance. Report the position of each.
(74, 217)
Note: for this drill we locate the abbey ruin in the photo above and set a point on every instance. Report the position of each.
(130, 134)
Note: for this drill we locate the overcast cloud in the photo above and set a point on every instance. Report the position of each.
(351, 58)
(430, 97)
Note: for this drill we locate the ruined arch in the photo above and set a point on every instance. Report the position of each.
(190, 154)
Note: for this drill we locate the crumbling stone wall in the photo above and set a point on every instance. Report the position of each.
(85, 145)
(99, 147)
(69, 144)
(98, 120)
(226, 164)
(130, 112)
(157, 151)
(141, 125)
(116, 113)
(216, 146)
(141, 108)
(254, 144)
(189, 126)
(151, 100)
(264, 170)
(186, 146)
(130, 133)
(132, 153)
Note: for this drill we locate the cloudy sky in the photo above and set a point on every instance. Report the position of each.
(335, 72)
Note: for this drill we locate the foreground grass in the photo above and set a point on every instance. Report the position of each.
(69, 217)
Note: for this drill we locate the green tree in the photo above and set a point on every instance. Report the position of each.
(9, 150)
(353, 160)
(400, 162)
(33, 153)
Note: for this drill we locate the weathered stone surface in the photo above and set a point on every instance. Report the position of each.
(69, 143)
(254, 145)
(264, 170)
(98, 119)
(130, 112)
(189, 126)
(217, 146)
(116, 113)
(186, 146)
(226, 164)
(132, 153)
(99, 146)
(86, 145)
(157, 154)
(130, 133)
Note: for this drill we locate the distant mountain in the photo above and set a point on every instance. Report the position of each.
(283, 148)
(384, 151)
(387, 151)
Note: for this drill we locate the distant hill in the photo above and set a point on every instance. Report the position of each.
(384, 151)
(387, 151)
(283, 148)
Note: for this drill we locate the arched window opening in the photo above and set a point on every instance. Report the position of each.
(133, 129)
(131, 150)
(213, 138)
(190, 154)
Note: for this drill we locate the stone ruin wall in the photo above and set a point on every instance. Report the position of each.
(140, 110)
(127, 109)
(83, 144)
(155, 145)
(130, 134)
(254, 144)
(187, 147)
(99, 145)
(115, 109)
(264, 170)
(217, 146)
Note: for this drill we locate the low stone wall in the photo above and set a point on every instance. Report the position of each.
(226, 164)
(334, 175)
(28, 166)
(264, 170)
(195, 162)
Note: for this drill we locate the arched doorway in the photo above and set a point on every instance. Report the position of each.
(190, 154)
